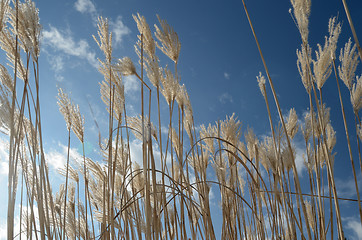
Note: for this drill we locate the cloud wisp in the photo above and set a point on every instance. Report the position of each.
(4, 158)
(119, 30)
(225, 98)
(57, 158)
(117, 27)
(64, 42)
(85, 6)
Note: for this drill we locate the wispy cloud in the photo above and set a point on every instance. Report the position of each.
(57, 63)
(131, 84)
(355, 226)
(226, 75)
(119, 30)
(117, 27)
(299, 161)
(4, 166)
(346, 187)
(56, 158)
(85, 6)
(225, 98)
(64, 42)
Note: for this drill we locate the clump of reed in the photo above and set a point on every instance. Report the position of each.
(168, 196)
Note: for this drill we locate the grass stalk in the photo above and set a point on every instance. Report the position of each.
(348, 142)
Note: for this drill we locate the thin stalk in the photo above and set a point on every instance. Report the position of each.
(297, 183)
(356, 122)
(352, 28)
(66, 183)
(348, 142)
(11, 190)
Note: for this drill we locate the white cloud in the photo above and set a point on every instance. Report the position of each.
(3, 230)
(58, 158)
(131, 84)
(117, 27)
(85, 6)
(346, 187)
(65, 43)
(119, 30)
(4, 168)
(57, 63)
(4, 157)
(225, 98)
(356, 228)
(299, 161)
(55, 159)
(226, 75)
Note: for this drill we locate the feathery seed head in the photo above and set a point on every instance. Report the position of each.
(261, 82)
(331, 137)
(349, 61)
(65, 107)
(220, 167)
(5, 107)
(307, 129)
(356, 94)
(71, 114)
(105, 38)
(98, 171)
(303, 64)
(322, 66)
(170, 86)
(4, 7)
(359, 131)
(263, 156)
(8, 43)
(301, 9)
(287, 158)
(269, 151)
(334, 30)
(28, 28)
(189, 120)
(135, 123)
(138, 181)
(126, 67)
(5, 79)
(171, 45)
(310, 215)
(182, 96)
(292, 126)
(230, 130)
(147, 39)
(153, 71)
(209, 134)
(251, 143)
(326, 114)
(73, 174)
(113, 98)
(78, 123)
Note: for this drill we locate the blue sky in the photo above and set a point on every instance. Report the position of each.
(218, 64)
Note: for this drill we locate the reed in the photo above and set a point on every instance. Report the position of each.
(168, 197)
